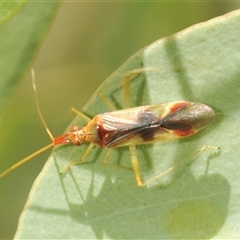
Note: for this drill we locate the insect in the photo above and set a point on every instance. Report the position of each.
(130, 127)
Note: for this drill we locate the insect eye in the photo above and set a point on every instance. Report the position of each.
(76, 142)
(73, 128)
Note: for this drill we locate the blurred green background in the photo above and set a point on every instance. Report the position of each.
(87, 42)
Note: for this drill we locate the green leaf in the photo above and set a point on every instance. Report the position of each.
(8, 9)
(200, 64)
(23, 27)
(20, 37)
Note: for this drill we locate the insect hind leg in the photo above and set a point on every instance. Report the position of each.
(136, 169)
(106, 163)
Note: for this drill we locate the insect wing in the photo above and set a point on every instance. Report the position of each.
(121, 128)
(187, 119)
(152, 123)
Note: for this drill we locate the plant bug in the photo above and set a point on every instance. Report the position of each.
(130, 127)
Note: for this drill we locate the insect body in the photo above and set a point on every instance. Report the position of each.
(141, 125)
(131, 127)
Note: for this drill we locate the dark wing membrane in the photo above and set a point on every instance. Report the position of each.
(176, 125)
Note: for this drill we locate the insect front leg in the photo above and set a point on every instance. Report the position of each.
(90, 147)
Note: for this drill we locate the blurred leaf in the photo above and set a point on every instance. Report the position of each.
(22, 29)
(8, 9)
(20, 37)
(200, 64)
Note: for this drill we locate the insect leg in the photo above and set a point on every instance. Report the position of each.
(106, 101)
(136, 169)
(123, 83)
(105, 162)
(81, 115)
(90, 147)
(129, 76)
(126, 91)
(135, 166)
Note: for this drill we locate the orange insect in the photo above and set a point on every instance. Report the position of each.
(131, 127)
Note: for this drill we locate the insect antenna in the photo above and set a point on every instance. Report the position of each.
(24, 160)
(38, 106)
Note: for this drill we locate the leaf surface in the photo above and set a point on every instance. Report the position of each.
(199, 64)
